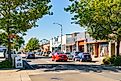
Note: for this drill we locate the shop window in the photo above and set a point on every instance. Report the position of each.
(104, 50)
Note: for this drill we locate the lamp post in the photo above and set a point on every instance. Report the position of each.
(61, 32)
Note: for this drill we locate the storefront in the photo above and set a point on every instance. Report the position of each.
(93, 48)
(81, 46)
(104, 50)
(98, 49)
(70, 47)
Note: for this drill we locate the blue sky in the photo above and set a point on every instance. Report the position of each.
(46, 28)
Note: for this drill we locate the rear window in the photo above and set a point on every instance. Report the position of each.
(67, 53)
(30, 53)
(19, 53)
(60, 53)
(87, 56)
(77, 52)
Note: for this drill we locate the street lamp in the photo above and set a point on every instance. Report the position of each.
(61, 33)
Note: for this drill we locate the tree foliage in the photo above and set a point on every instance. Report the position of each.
(17, 41)
(21, 15)
(33, 44)
(101, 18)
(17, 16)
(3, 39)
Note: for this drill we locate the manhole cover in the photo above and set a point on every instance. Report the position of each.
(54, 78)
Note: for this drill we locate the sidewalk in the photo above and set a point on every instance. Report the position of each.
(14, 75)
(98, 60)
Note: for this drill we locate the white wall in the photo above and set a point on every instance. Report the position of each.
(51, 44)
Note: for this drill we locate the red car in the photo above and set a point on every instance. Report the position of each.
(59, 57)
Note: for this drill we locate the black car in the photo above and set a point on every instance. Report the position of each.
(30, 55)
(85, 57)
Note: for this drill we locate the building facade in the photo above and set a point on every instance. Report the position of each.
(81, 41)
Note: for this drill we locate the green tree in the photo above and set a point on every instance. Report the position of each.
(18, 42)
(101, 18)
(17, 16)
(33, 44)
(3, 39)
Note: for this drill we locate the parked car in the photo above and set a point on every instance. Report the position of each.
(59, 56)
(76, 57)
(38, 53)
(2, 53)
(30, 55)
(85, 57)
(75, 53)
(13, 53)
(70, 57)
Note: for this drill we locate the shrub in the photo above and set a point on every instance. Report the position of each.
(106, 60)
(117, 61)
(6, 64)
(112, 59)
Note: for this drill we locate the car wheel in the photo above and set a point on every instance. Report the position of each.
(80, 60)
(75, 60)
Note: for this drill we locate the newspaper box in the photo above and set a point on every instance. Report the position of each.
(18, 62)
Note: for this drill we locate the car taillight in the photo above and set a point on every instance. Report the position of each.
(59, 56)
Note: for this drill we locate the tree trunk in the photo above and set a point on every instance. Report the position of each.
(118, 46)
(9, 50)
(9, 46)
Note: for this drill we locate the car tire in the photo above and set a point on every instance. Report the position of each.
(75, 60)
(56, 60)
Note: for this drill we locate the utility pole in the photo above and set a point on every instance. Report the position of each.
(61, 33)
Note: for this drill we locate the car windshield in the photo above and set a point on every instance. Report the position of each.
(67, 53)
(37, 53)
(60, 53)
(77, 52)
(19, 53)
(30, 53)
(87, 56)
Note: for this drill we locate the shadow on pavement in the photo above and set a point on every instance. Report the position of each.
(81, 68)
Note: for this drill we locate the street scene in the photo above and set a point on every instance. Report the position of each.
(60, 40)
(47, 70)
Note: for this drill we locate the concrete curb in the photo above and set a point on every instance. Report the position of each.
(9, 70)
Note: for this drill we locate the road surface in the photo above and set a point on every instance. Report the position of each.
(72, 71)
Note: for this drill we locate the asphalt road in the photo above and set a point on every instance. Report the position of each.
(73, 76)
(73, 71)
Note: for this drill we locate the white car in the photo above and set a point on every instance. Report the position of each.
(50, 55)
(13, 54)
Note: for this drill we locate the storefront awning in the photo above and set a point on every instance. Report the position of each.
(71, 44)
(57, 45)
(98, 41)
(91, 42)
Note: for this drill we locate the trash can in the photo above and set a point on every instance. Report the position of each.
(18, 62)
